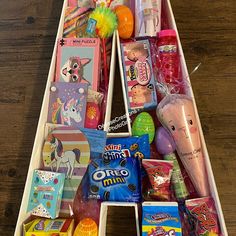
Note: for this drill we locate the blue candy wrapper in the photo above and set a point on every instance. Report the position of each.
(115, 180)
(137, 147)
(161, 219)
(97, 141)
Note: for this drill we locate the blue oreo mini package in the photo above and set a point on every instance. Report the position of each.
(161, 219)
(115, 180)
(127, 147)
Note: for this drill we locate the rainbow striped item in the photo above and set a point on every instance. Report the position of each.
(66, 150)
(75, 23)
(138, 75)
(161, 218)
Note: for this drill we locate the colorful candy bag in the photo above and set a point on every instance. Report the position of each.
(96, 140)
(159, 174)
(161, 219)
(115, 180)
(137, 147)
(203, 216)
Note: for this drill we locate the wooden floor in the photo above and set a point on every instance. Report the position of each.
(27, 33)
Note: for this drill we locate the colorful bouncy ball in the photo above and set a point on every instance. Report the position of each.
(125, 21)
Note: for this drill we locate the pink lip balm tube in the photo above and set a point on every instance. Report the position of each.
(166, 146)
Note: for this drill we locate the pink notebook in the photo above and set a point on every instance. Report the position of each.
(78, 61)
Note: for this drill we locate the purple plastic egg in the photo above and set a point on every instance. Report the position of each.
(164, 142)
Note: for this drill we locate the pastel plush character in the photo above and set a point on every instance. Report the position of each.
(176, 113)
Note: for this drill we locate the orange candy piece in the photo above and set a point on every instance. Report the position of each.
(86, 227)
(125, 21)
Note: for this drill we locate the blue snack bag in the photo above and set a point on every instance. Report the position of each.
(97, 141)
(115, 180)
(117, 148)
(161, 219)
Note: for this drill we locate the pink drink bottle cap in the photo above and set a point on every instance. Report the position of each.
(167, 33)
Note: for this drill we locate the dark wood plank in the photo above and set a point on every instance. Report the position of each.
(27, 35)
(207, 30)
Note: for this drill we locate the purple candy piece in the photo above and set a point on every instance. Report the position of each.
(164, 142)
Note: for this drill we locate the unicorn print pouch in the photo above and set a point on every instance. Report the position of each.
(67, 104)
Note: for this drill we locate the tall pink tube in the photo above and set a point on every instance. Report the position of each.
(176, 113)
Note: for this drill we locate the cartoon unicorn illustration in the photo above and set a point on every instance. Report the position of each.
(63, 113)
(58, 157)
(73, 70)
(149, 11)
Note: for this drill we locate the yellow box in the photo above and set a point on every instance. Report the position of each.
(48, 227)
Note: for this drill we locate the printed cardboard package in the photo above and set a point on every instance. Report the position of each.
(46, 193)
(138, 75)
(78, 61)
(46, 227)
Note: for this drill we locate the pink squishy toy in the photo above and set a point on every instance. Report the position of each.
(176, 113)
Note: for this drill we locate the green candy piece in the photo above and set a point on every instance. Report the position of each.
(143, 124)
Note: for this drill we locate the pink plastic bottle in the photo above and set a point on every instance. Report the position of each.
(168, 61)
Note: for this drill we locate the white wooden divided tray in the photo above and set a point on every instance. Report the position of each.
(39, 138)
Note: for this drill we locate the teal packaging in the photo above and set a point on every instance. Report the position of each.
(46, 193)
(161, 219)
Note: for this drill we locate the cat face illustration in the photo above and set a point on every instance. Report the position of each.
(73, 69)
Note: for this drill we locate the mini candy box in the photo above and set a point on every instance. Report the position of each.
(78, 61)
(161, 219)
(138, 75)
(67, 104)
(203, 216)
(66, 150)
(45, 227)
(46, 193)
